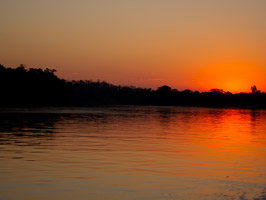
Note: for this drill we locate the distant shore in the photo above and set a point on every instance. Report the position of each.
(35, 87)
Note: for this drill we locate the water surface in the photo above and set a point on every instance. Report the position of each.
(133, 153)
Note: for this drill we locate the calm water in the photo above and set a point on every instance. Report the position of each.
(133, 153)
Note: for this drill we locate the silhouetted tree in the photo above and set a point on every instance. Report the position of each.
(217, 91)
(164, 89)
(254, 89)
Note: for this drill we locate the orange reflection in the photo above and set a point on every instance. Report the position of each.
(190, 153)
(219, 144)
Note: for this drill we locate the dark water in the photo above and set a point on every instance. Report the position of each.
(133, 153)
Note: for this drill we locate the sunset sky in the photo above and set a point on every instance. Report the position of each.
(195, 44)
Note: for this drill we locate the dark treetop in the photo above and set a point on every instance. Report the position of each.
(23, 87)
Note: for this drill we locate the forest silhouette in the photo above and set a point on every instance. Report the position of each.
(21, 87)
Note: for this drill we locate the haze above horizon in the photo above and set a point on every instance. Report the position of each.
(184, 44)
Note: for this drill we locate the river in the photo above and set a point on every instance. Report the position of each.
(132, 153)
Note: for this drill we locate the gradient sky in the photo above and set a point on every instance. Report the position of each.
(195, 44)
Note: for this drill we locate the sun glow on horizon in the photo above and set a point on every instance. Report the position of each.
(232, 77)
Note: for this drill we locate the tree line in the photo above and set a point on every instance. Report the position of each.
(21, 87)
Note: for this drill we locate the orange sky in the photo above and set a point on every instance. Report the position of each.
(182, 43)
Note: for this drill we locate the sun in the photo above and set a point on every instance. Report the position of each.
(234, 86)
(232, 77)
